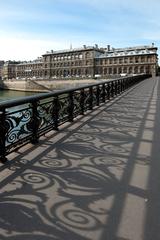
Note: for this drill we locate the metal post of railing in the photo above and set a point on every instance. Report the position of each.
(116, 87)
(90, 98)
(34, 123)
(125, 83)
(108, 90)
(119, 87)
(70, 107)
(82, 101)
(56, 113)
(121, 83)
(3, 158)
(103, 93)
(129, 82)
(112, 89)
(97, 96)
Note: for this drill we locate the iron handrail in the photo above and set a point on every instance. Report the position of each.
(24, 120)
(40, 96)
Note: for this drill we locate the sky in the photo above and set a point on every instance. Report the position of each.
(30, 28)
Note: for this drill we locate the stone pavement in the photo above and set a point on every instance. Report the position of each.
(96, 179)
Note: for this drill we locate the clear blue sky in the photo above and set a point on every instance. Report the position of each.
(30, 28)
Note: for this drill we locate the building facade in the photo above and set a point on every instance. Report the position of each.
(87, 62)
(102, 62)
(1, 68)
(31, 69)
(9, 70)
(71, 63)
(133, 60)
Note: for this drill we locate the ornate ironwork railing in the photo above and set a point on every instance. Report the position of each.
(24, 120)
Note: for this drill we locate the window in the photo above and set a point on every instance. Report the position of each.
(136, 59)
(87, 55)
(125, 60)
(131, 60)
(120, 61)
(110, 70)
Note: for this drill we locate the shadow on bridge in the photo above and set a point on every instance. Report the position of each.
(97, 179)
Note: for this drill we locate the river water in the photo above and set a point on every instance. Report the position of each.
(9, 94)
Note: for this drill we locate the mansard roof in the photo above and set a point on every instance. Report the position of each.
(36, 61)
(72, 50)
(129, 51)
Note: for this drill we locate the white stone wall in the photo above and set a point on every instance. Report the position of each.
(43, 85)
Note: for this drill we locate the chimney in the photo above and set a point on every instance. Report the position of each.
(108, 48)
(84, 46)
(96, 45)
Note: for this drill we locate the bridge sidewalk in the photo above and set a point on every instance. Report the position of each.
(97, 179)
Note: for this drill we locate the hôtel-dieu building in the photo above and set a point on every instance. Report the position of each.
(91, 62)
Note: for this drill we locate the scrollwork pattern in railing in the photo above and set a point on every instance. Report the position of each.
(77, 107)
(63, 109)
(86, 99)
(17, 126)
(45, 113)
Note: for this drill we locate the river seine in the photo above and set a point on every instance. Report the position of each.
(9, 94)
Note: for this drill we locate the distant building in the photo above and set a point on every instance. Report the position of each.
(87, 62)
(131, 60)
(1, 68)
(9, 70)
(31, 69)
(103, 62)
(71, 63)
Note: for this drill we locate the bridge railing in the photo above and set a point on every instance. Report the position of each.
(24, 120)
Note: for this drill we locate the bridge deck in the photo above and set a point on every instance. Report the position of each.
(97, 179)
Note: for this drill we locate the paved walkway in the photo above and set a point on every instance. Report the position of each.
(97, 179)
